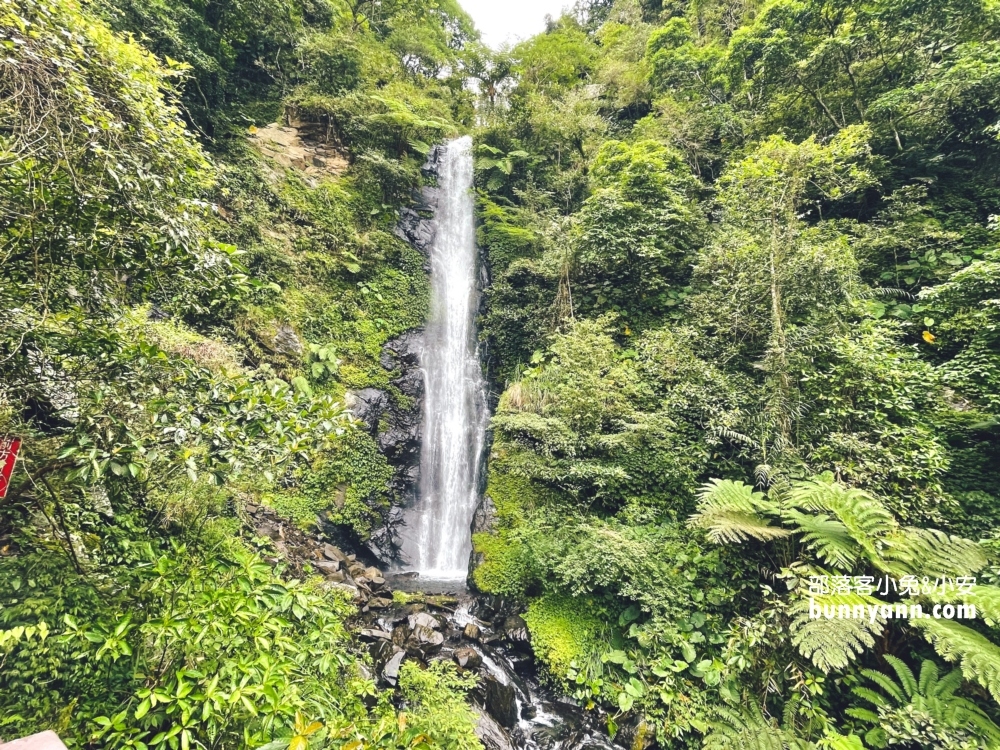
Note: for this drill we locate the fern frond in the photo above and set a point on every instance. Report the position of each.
(733, 512)
(929, 552)
(947, 685)
(929, 695)
(864, 516)
(885, 682)
(835, 643)
(978, 657)
(840, 742)
(876, 699)
(967, 712)
(744, 730)
(827, 537)
(419, 146)
(737, 437)
(928, 678)
(485, 163)
(906, 678)
(732, 527)
(986, 599)
(863, 714)
(762, 473)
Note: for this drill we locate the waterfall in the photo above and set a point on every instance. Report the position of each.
(436, 539)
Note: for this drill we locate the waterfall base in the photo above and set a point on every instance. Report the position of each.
(485, 635)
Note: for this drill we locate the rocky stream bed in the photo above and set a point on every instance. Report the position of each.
(482, 634)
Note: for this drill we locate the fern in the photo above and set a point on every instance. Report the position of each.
(929, 694)
(827, 537)
(744, 730)
(748, 729)
(834, 644)
(864, 517)
(987, 601)
(933, 553)
(978, 657)
(732, 513)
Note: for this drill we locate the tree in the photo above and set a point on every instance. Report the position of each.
(768, 271)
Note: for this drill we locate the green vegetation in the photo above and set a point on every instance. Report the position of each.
(187, 295)
(743, 315)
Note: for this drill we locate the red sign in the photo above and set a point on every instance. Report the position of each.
(9, 447)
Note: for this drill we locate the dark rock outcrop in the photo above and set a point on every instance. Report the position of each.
(390, 673)
(415, 229)
(501, 702)
(395, 424)
(490, 733)
(368, 405)
(483, 522)
(394, 420)
(286, 341)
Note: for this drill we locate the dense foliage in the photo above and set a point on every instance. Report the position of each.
(744, 317)
(743, 321)
(183, 313)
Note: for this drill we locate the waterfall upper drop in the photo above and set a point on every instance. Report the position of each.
(436, 539)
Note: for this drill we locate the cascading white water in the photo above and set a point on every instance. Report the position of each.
(436, 540)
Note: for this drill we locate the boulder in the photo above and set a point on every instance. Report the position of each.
(515, 629)
(501, 702)
(490, 608)
(287, 342)
(390, 672)
(423, 619)
(491, 734)
(467, 658)
(327, 567)
(423, 642)
(332, 553)
(399, 635)
(347, 588)
(636, 734)
(472, 631)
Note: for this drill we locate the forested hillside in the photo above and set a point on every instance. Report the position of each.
(187, 296)
(744, 310)
(742, 326)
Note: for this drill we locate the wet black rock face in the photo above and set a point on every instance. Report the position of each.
(415, 229)
(395, 421)
(368, 405)
(416, 225)
(395, 425)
